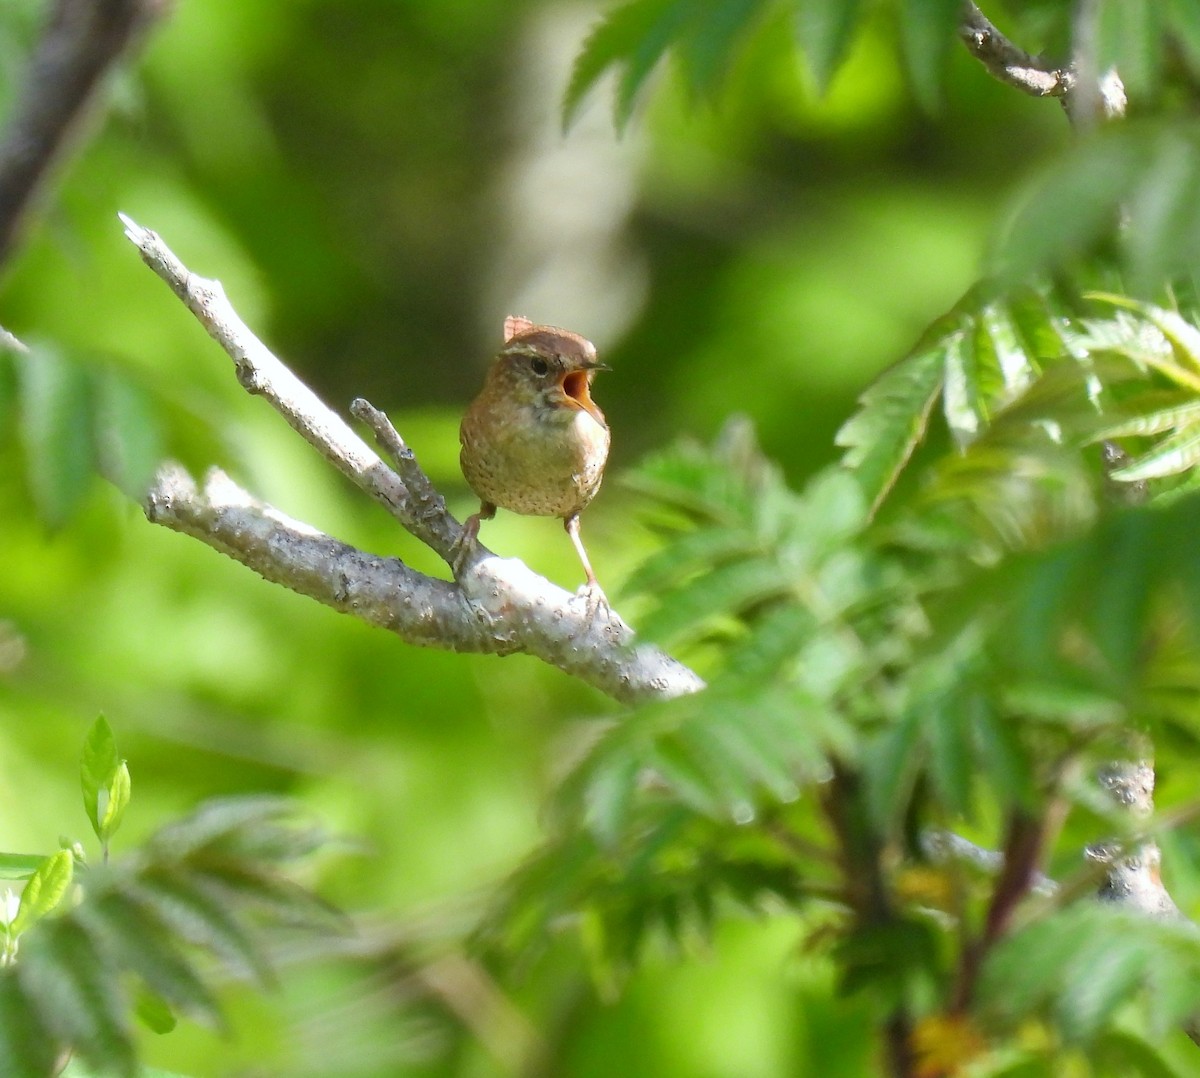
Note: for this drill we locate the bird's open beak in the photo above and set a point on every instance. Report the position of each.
(576, 386)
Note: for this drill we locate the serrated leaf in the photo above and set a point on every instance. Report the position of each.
(692, 552)
(193, 913)
(892, 763)
(135, 939)
(726, 590)
(946, 728)
(45, 889)
(634, 36)
(825, 29)
(1183, 337)
(217, 819)
(98, 764)
(1102, 975)
(1156, 421)
(1171, 456)
(891, 421)
(26, 1048)
(56, 431)
(706, 50)
(68, 981)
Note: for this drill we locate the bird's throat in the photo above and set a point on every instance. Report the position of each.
(575, 387)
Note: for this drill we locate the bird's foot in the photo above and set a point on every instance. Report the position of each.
(596, 600)
(463, 552)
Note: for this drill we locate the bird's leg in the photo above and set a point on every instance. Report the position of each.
(595, 594)
(465, 546)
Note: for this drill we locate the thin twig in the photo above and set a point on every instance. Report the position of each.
(497, 606)
(1007, 61)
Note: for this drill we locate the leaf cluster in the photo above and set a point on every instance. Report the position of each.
(987, 597)
(150, 934)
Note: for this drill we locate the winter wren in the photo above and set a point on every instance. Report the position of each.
(533, 441)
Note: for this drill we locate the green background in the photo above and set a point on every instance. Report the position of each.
(377, 184)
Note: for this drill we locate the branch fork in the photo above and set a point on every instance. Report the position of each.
(496, 605)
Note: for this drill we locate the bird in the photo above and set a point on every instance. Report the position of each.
(533, 441)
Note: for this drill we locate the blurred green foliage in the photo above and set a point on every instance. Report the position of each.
(377, 185)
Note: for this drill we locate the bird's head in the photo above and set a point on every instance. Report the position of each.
(547, 366)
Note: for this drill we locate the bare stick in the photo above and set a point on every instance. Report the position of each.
(1008, 62)
(82, 42)
(498, 606)
(1085, 92)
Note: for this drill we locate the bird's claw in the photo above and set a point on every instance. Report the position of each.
(596, 600)
(462, 554)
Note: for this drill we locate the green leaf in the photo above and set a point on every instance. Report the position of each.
(200, 918)
(56, 431)
(634, 36)
(1122, 1052)
(19, 866)
(26, 1048)
(1128, 33)
(1171, 456)
(67, 980)
(45, 889)
(98, 766)
(1182, 411)
(1069, 207)
(153, 1012)
(825, 29)
(928, 30)
(216, 820)
(891, 421)
(1183, 337)
(706, 50)
(132, 937)
(115, 799)
(1183, 23)
(128, 433)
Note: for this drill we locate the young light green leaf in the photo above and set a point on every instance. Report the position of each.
(115, 798)
(98, 764)
(44, 890)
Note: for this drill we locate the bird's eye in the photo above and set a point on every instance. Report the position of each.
(540, 366)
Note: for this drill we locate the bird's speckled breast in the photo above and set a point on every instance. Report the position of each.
(537, 461)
